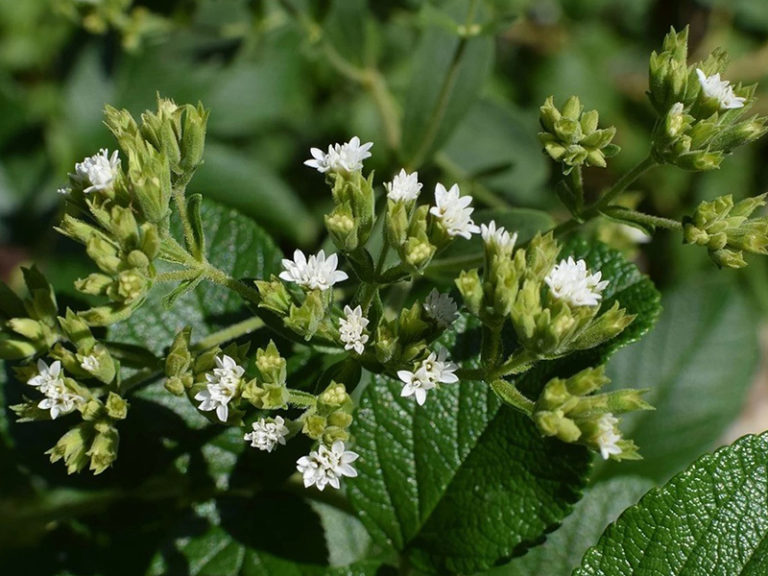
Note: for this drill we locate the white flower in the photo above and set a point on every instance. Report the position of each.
(324, 466)
(499, 238)
(221, 387)
(572, 282)
(430, 372)
(720, 90)
(267, 433)
(99, 170)
(608, 436)
(454, 212)
(441, 308)
(59, 399)
(347, 157)
(351, 329)
(90, 363)
(416, 384)
(317, 272)
(404, 187)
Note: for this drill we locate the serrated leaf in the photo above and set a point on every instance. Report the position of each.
(239, 247)
(563, 550)
(448, 74)
(461, 482)
(710, 519)
(627, 285)
(697, 364)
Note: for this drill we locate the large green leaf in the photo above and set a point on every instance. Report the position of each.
(202, 547)
(627, 285)
(239, 247)
(461, 482)
(563, 550)
(710, 519)
(448, 73)
(697, 364)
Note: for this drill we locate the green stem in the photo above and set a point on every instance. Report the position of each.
(301, 399)
(181, 205)
(515, 364)
(491, 347)
(218, 277)
(595, 209)
(229, 333)
(512, 396)
(436, 118)
(177, 275)
(642, 218)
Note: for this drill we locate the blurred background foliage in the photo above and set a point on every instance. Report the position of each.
(456, 99)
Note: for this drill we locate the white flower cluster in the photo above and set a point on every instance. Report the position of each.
(351, 329)
(267, 433)
(431, 372)
(59, 399)
(221, 387)
(404, 187)
(327, 466)
(315, 272)
(441, 308)
(498, 237)
(571, 282)
(608, 437)
(347, 157)
(720, 90)
(454, 212)
(98, 171)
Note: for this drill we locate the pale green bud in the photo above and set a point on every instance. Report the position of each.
(95, 284)
(104, 254)
(179, 359)
(418, 252)
(396, 223)
(72, 447)
(271, 366)
(175, 385)
(386, 343)
(131, 285)
(103, 450)
(306, 319)
(117, 407)
(30, 329)
(274, 296)
(471, 290)
(76, 330)
(342, 227)
(14, 349)
(193, 136)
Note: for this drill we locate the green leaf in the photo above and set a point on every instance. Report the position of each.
(563, 550)
(458, 483)
(238, 247)
(448, 73)
(698, 364)
(710, 519)
(466, 254)
(225, 550)
(242, 182)
(632, 289)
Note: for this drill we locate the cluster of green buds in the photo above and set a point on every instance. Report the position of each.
(727, 230)
(571, 136)
(702, 118)
(121, 216)
(83, 377)
(552, 306)
(570, 410)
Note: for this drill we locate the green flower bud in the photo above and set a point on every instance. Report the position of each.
(396, 223)
(117, 407)
(418, 252)
(131, 285)
(342, 227)
(179, 359)
(30, 329)
(103, 450)
(314, 426)
(386, 343)
(175, 385)
(150, 240)
(76, 330)
(471, 290)
(104, 254)
(271, 366)
(275, 397)
(274, 296)
(13, 349)
(193, 136)
(72, 447)
(98, 363)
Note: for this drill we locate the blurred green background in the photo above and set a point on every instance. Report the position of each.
(281, 76)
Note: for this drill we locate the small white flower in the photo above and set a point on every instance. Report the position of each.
(499, 238)
(416, 384)
(267, 433)
(221, 387)
(326, 466)
(571, 281)
(441, 308)
(720, 90)
(454, 212)
(608, 436)
(404, 187)
(347, 157)
(98, 171)
(432, 371)
(90, 363)
(351, 329)
(59, 399)
(315, 272)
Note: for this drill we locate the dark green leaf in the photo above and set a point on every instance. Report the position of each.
(563, 550)
(697, 364)
(448, 73)
(238, 247)
(461, 482)
(234, 179)
(710, 519)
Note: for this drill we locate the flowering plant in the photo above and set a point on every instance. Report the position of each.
(433, 378)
